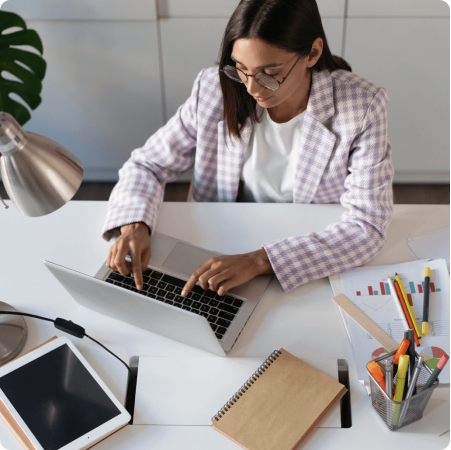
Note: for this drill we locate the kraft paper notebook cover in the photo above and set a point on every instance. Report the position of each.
(279, 406)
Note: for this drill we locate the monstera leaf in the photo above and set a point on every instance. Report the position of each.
(26, 66)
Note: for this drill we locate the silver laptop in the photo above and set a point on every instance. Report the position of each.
(202, 319)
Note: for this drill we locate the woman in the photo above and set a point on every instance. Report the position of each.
(281, 120)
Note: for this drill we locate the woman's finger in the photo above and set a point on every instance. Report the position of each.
(119, 260)
(192, 280)
(215, 280)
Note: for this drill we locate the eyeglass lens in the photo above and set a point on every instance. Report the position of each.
(262, 79)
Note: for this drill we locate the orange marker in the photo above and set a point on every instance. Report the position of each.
(402, 349)
(375, 370)
(404, 307)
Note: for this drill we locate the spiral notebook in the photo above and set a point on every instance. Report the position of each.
(279, 406)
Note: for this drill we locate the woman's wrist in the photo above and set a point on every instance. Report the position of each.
(261, 261)
(138, 226)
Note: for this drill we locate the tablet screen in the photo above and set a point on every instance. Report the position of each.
(58, 398)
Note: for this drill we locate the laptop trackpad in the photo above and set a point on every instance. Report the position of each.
(185, 259)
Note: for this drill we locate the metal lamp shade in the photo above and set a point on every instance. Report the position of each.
(39, 174)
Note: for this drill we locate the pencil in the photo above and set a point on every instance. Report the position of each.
(399, 304)
(404, 296)
(409, 320)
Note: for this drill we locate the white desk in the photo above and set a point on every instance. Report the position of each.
(305, 321)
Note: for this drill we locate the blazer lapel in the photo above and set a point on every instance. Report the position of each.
(230, 160)
(317, 142)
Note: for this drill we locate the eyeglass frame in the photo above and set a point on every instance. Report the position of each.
(253, 76)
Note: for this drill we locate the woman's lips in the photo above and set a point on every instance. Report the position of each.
(262, 99)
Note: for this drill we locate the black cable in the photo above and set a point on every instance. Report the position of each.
(71, 328)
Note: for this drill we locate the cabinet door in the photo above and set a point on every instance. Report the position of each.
(398, 8)
(101, 95)
(191, 44)
(410, 58)
(225, 8)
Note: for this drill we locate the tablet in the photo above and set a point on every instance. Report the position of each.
(57, 399)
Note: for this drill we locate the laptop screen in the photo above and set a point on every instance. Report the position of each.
(58, 398)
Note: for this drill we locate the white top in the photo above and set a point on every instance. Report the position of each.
(270, 160)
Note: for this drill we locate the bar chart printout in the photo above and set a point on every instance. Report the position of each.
(368, 289)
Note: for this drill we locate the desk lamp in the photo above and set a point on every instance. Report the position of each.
(40, 176)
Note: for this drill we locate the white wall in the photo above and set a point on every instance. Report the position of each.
(117, 70)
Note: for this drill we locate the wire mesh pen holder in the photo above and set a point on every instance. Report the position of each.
(399, 414)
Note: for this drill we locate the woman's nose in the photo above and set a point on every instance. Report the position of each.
(253, 87)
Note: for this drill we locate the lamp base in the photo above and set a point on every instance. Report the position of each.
(13, 334)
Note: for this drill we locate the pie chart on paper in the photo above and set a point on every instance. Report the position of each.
(432, 356)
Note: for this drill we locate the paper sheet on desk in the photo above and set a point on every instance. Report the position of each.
(381, 308)
(190, 391)
(431, 246)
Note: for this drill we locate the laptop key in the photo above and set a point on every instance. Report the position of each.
(205, 308)
(204, 314)
(195, 311)
(147, 272)
(209, 293)
(229, 300)
(170, 288)
(187, 302)
(228, 308)
(195, 296)
(213, 326)
(198, 290)
(110, 280)
(153, 282)
(226, 315)
(152, 290)
(170, 296)
(178, 291)
(214, 311)
(161, 285)
(221, 330)
(146, 279)
(211, 318)
(237, 303)
(179, 305)
(219, 336)
(151, 295)
(172, 280)
(156, 275)
(178, 299)
(220, 297)
(162, 299)
(223, 323)
(214, 303)
(127, 280)
(196, 305)
(186, 307)
(161, 292)
(204, 300)
(169, 302)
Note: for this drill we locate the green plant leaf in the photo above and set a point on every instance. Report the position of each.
(26, 66)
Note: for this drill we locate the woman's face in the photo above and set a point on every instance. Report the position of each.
(253, 56)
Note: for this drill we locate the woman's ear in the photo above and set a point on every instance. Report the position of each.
(315, 52)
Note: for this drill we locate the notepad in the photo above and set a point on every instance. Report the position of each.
(191, 390)
(280, 405)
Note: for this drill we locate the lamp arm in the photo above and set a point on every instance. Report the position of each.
(4, 204)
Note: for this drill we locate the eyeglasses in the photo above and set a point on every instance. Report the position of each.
(263, 79)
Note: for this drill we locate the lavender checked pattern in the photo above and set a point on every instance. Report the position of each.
(344, 157)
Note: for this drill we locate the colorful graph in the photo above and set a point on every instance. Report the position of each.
(378, 352)
(384, 289)
(432, 356)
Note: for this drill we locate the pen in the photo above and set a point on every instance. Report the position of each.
(410, 334)
(412, 386)
(409, 320)
(399, 304)
(402, 349)
(404, 296)
(389, 387)
(434, 375)
(427, 279)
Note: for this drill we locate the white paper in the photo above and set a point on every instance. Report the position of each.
(383, 311)
(190, 390)
(432, 246)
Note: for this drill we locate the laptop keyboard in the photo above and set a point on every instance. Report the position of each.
(218, 310)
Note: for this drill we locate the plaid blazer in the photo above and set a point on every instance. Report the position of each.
(344, 156)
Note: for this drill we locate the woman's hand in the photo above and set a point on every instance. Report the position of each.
(224, 272)
(133, 241)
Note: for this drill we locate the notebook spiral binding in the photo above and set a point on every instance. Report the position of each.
(256, 375)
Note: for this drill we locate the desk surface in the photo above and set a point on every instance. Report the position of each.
(71, 237)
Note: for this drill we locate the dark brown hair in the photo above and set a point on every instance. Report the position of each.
(289, 24)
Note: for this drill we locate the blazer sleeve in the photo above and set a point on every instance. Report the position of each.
(368, 196)
(138, 195)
